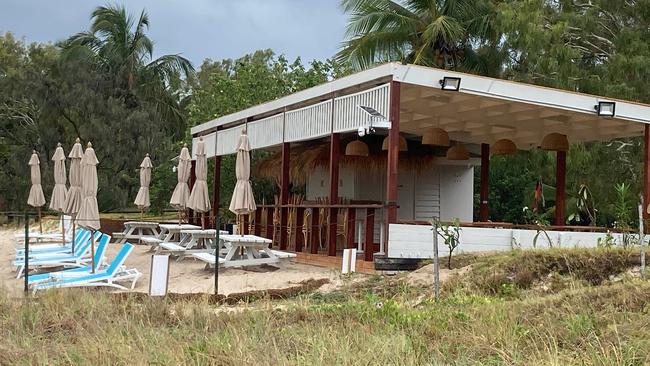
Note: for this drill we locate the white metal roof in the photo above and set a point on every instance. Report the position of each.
(482, 110)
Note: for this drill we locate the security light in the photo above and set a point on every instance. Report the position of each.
(450, 83)
(605, 109)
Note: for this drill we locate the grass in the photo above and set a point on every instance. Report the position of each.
(592, 321)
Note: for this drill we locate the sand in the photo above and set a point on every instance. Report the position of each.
(188, 275)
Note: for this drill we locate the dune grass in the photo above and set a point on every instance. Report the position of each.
(379, 321)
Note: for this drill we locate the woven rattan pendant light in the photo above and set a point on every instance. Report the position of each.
(555, 142)
(402, 144)
(458, 152)
(503, 147)
(436, 136)
(357, 148)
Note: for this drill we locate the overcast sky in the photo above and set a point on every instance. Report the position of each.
(198, 29)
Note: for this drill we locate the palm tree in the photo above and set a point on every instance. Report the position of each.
(450, 34)
(119, 46)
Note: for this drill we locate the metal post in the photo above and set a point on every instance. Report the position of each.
(216, 254)
(26, 253)
(641, 238)
(436, 262)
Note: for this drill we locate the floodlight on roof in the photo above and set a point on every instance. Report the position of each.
(605, 109)
(450, 83)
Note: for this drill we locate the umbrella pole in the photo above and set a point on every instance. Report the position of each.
(74, 232)
(203, 220)
(92, 251)
(40, 223)
(62, 229)
(141, 214)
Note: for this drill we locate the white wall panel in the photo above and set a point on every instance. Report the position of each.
(309, 122)
(349, 117)
(227, 140)
(266, 132)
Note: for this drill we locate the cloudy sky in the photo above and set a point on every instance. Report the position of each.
(198, 29)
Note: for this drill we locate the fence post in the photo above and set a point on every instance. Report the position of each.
(641, 239)
(26, 254)
(436, 262)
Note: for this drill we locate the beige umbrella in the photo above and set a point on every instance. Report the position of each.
(182, 191)
(199, 200)
(243, 201)
(88, 215)
(57, 201)
(142, 199)
(36, 197)
(73, 199)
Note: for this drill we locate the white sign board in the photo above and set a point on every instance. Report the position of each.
(159, 275)
(349, 263)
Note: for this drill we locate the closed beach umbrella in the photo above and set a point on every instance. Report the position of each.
(182, 191)
(142, 199)
(243, 202)
(199, 200)
(88, 215)
(73, 199)
(36, 197)
(57, 201)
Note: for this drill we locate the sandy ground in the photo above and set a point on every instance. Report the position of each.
(189, 275)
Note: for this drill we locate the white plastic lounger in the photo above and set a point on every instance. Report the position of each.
(77, 259)
(113, 273)
(42, 246)
(56, 249)
(100, 257)
(52, 236)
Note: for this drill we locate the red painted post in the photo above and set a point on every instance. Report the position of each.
(269, 223)
(646, 175)
(369, 242)
(335, 151)
(216, 185)
(300, 220)
(560, 183)
(258, 222)
(393, 156)
(284, 194)
(485, 177)
(315, 235)
(352, 221)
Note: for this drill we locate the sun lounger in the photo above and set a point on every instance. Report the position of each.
(77, 259)
(52, 236)
(100, 257)
(113, 273)
(47, 249)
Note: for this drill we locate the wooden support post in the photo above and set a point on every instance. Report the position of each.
(560, 183)
(335, 151)
(352, 227)
(258, 222)
(369, 241)
(315, 231)
(284, 194)
(216, 185)
(269, 223)
(393, 157)
(485, 177)
(646, 176)
(300, 220)
(191, 213)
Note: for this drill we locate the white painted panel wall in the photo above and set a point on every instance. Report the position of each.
(427, 195)
(227, 140)
(348, 116)
(318, 184)
(456, 192)
(266, 132)
(416, 241)
(405, 195)
(309, 122)
(210, 142)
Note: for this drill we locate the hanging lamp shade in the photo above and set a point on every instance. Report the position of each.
(504, 147)
(555, 142)
(457, 152)
(436, 136)
(357, 148)
(402, 144)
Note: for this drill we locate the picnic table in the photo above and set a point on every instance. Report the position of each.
(192, 241)
(247, 250)
(169, 233)
(136, 230)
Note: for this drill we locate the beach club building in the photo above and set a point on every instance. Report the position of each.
(383, 151)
